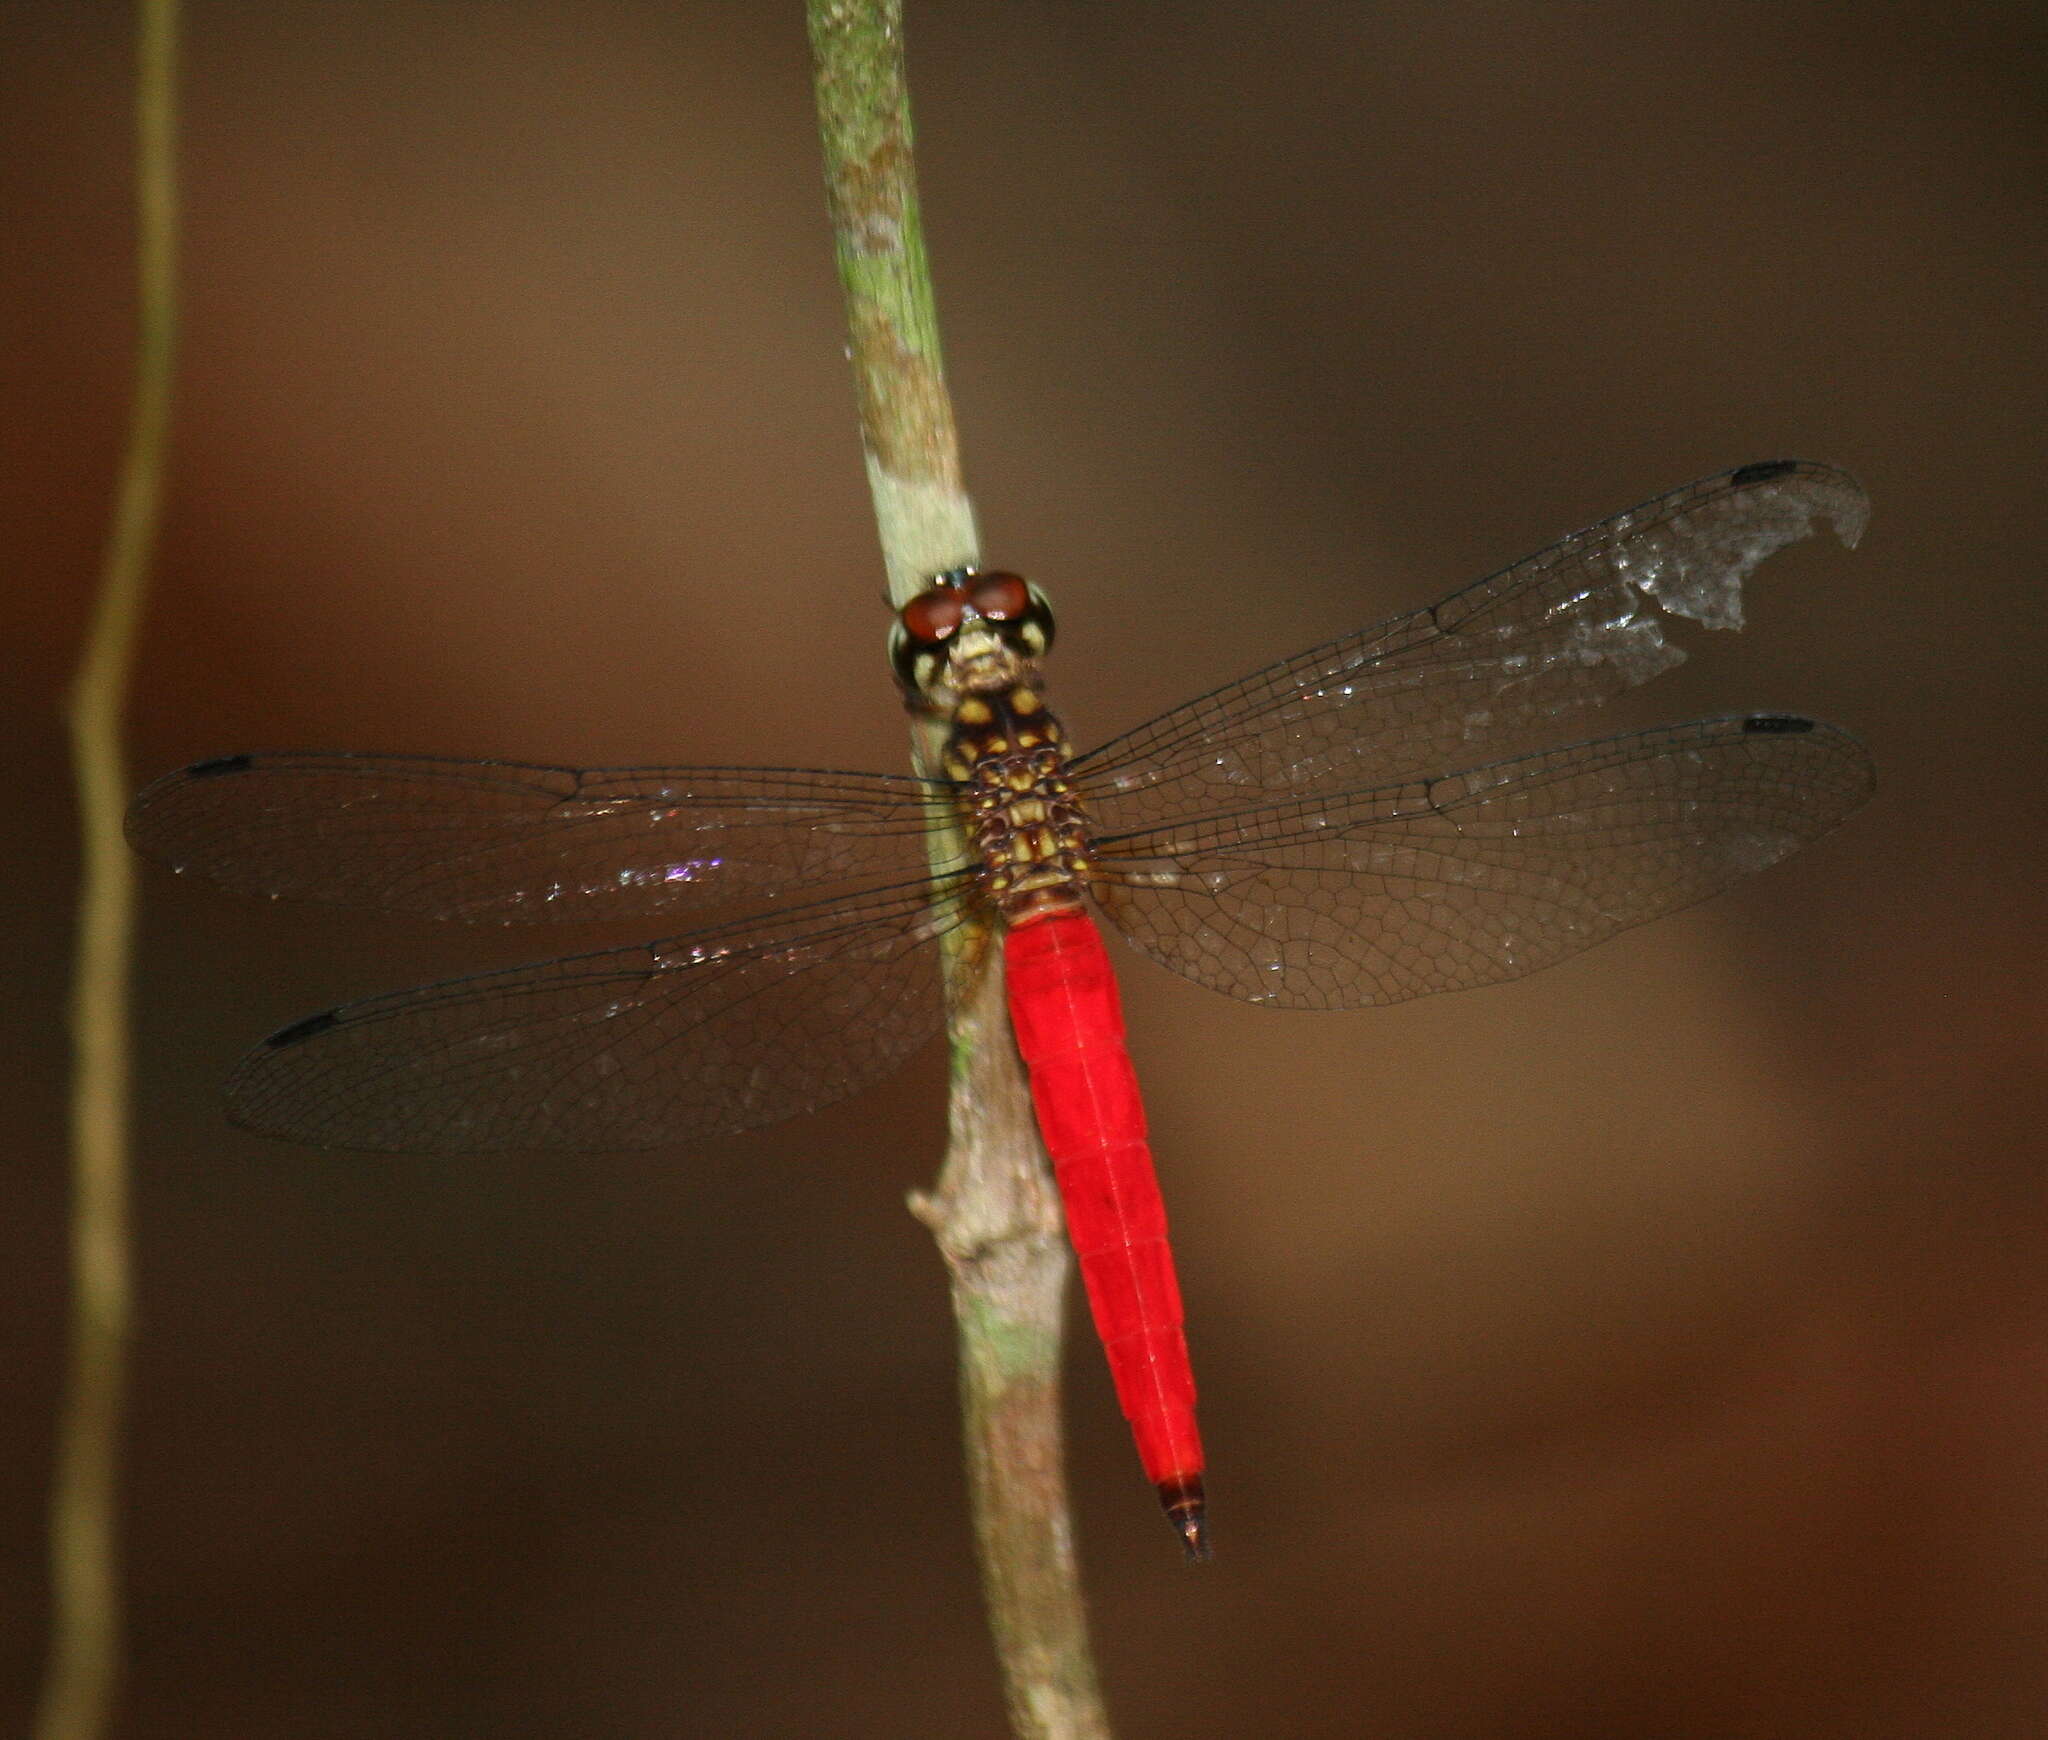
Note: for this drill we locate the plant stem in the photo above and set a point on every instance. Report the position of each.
(83, 1673)
(995, 1211)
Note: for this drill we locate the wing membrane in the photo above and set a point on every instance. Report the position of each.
(504, 842)
(1567, 628)
(706, 1033)
(1476, 877)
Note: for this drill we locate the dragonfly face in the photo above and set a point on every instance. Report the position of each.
(970, 633)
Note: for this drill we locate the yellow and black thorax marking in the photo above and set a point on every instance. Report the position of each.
(1023, 820)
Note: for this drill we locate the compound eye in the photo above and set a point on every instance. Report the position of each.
(1000, 597)
(933, 616)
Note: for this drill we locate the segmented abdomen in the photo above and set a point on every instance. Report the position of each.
(1070, 1030)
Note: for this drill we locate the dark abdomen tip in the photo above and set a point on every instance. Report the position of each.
(1187, 1509)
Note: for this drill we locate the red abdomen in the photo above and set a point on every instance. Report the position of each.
(1070, 1030)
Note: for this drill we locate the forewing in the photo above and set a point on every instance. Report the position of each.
(714, 1031)
(498, 841)
(1437, 885)
(1562, 630)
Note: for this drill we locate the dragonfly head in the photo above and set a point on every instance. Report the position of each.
(971, 631)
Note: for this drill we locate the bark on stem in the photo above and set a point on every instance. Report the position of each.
(994, 1212)
(83, 1673)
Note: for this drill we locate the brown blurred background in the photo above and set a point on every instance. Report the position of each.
(1657, 1348)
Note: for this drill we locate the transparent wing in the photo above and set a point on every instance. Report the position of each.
(1441, 884)
(713, 1031)
(1564, 629)
(497, 841)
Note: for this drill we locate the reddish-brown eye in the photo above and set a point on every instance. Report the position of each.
(932, 616)
(1000, 597)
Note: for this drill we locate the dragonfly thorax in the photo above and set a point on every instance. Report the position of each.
(1023, 819)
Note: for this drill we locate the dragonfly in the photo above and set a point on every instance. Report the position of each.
(1365, 822)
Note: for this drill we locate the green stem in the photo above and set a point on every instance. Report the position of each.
(83, 1674)
(906, 417)
(994, 1211)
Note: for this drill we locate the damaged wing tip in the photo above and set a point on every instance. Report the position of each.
(1831, 492)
